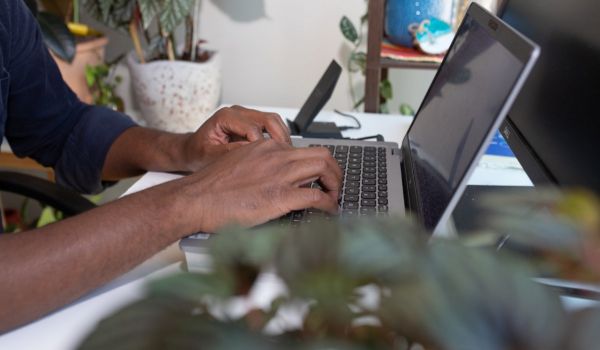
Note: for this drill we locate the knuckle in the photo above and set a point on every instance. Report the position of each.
(273, 117)
(315, 196)
(322, 152)
(320, 164)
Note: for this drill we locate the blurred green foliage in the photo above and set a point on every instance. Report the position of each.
(102, 85)
(379, 284)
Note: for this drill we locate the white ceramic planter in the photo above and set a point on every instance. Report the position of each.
(176, 96)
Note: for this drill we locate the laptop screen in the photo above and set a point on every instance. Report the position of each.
(457, 114)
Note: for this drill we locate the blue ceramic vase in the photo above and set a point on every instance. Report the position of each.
(400, 14)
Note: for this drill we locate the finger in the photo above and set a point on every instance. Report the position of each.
(275, 127)
(307, 170)
(301, 198)
(315, 152)
(271, 122)
(244, 128)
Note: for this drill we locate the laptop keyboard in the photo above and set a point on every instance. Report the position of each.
(365, 189)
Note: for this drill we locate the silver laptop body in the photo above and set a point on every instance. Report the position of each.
(472, 91)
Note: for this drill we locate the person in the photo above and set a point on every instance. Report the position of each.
(235, 176)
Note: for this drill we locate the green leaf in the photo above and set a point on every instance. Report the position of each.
(359, 102)
(105, 7)
(149, 9)
(385, 89)
(358, 62)
(384, 109)
(364, 18)
(48, 216)
(57, 36)
(406, 109)
(173, 13)
(90, 76)
(348, 29)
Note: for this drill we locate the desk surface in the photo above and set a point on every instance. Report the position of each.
(65, 328)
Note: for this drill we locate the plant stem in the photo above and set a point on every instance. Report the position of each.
(76, 11)
(189, 37)
(136, 41)
(170, 50)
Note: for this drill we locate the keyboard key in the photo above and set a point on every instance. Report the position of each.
(367, 158)
(382, 181)
(355, 160)
(350, 205)
(352, 184)
(353, 178)
(349, 212)
(341, 149)
(368, 182)
(353, 171)
(368, 195)
(314, 145)
(298, 215)
(368, 211)
(355, 149)
(369, 170)
(350, 198)
(382, 194)
(354, 165)
(368, 203)
(352, 191)
(382, 201)
(382, 175)
(383, 208)
(383, 187)
(368, 176)
(370, 164)
(331, 148)
(368, 188)
(340, 156)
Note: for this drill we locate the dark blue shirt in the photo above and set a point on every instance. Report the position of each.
(40, 116)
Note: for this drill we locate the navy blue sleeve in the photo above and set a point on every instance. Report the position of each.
(45, 119)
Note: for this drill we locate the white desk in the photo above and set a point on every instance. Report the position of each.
(65, 328)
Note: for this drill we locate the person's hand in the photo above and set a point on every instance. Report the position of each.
(228, 129)
(256, 183)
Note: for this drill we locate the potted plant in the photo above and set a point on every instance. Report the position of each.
(72, 44)
(176, 86)
(376, 285)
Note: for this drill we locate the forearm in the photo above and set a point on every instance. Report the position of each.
(139, 149)
(46, 268)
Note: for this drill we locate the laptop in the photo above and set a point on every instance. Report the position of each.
(472, 91)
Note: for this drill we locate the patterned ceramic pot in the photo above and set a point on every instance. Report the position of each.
(400, 14)
(176, 96)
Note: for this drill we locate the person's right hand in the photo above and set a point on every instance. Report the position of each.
(257, 183)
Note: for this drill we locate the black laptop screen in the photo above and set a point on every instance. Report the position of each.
(458, 113)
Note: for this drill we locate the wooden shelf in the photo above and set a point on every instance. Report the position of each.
(392, 63)
(377, 66)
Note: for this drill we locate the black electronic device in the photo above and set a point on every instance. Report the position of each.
(554, 125)
(303, 123)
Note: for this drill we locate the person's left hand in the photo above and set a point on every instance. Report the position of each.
(230, 128)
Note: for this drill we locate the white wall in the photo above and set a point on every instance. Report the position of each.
(274, 51)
